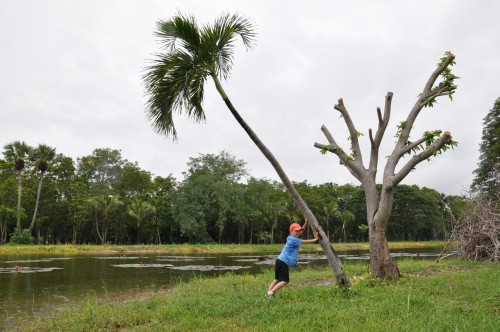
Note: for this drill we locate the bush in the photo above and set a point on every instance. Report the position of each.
(24, 238)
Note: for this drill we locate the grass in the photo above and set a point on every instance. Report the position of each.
(189, 248)
(453, 295)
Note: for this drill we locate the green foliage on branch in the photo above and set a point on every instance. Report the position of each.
(447, 86)
(400, 127)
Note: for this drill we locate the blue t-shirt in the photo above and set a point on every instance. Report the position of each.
(290, 251)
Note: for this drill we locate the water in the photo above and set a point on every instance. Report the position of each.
(37, 284)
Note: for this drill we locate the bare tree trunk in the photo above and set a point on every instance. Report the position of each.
(74, 234)
(19, 190)
(158, 234)
(3, 230)
(105, 226)
(139, 224)
(273, 227)
(381, 264)
(251, 232)
(38, 192)
(97, 228)
(378, 211)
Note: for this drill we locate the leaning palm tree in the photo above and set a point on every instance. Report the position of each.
(175, 83)
(16, 153)
(42, 155)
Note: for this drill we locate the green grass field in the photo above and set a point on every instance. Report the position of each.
(190, 248)
(454, 295)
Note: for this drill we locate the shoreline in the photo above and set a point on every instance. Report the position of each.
(8, 249)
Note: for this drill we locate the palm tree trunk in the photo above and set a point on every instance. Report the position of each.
(251, 231)
(332, 257)
(158, 234)
(139, 235)
(97, 227)
(3, 230)
(38, 192)
(19, 190)
(73, 240)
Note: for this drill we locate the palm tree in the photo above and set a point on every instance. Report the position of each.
(139, 209)
(42, 155)
(329, 210)
(104, 206)
(346, 217)
(176, 79)
(274, 209)
(16, 153)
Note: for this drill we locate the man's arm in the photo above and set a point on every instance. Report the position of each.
(305, 224)
(312, 240)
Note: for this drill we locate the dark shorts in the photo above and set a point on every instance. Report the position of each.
(281, 272)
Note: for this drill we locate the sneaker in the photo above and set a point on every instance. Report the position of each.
(270, 295)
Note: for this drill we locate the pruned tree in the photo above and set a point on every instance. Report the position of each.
(379, 203)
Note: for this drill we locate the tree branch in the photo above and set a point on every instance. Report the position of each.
(352, 130)
(413, 145)
(426, 154)
(432, 79)
(355, 167)
(443, 91)
(423, 99)
(382, 125)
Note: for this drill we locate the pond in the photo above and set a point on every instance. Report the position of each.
(35, 284)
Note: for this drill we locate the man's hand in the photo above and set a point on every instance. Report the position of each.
(305, 224)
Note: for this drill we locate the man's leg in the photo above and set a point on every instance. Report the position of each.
(278, 285)
(271, 286)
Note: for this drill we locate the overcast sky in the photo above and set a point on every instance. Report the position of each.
(70, 77)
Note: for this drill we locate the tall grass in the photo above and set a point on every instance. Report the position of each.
(450, 296)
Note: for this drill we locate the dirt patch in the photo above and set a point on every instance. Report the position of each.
(317, 282)
(433, 270)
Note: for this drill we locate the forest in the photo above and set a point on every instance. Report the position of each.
(104, 198)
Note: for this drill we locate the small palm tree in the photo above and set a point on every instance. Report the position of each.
(176, 80)
(104, 207)
(16, 153)
(139, 209)
(42, 156)
(345, 217)
(274, 209)
(329, 211)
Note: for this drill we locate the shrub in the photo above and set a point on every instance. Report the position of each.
(24, 238)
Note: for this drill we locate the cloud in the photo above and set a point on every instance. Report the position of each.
(71, 78)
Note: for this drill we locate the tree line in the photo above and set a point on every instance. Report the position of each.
(103, 198)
